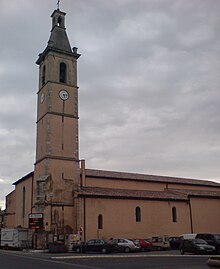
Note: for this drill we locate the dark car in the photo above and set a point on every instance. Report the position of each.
(143, 244)
(211, 239)
(174, 242)
(96, 245)
(196, 246)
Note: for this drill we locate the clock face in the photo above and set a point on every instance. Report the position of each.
(64, 95)
(42, 98)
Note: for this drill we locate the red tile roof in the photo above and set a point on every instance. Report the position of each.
(196, 193)
(31, 174)
(150, 178)
(168, 194)
(130, 194)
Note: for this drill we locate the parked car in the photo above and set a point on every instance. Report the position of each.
(160, 242)
(174, 242)
(211, 239)
(96, 245)
(143, 244)
(196, 246)
(125, 245)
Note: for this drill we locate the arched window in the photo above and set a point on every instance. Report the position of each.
(55, 216)
(23, 202)
(174, 214)
(43, 75)
(138, 214)
(59, 20)
(62, 72)
(100, 222)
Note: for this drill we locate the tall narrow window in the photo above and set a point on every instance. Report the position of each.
(174, 214)
(100, 222)
(59, 21)
(63, 73)
(23, 202)
(138, 214)
(43, 75)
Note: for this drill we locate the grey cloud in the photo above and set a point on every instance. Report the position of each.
(148, 84)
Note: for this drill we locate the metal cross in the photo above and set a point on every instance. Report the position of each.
(58, 4)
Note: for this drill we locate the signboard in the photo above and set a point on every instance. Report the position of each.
(36, 221)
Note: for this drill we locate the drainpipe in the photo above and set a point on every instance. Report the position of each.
(32, 191)
(83, 205)
(84, 218)
(83, 173)
(190, 214)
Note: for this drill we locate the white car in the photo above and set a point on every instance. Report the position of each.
(126, 245)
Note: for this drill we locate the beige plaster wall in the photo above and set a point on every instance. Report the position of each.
(10, 210)
(119, 218)
(19, 219)
(205, 215)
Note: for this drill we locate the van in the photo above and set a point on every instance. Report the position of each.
(188, 236)
(17, 238)
(160, 242)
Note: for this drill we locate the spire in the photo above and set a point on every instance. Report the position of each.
(58, 38)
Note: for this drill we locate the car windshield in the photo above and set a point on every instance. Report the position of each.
(157, 239)
(199, 241)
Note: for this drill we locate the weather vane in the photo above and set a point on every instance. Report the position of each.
(58, 4)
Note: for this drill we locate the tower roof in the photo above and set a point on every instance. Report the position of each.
(58, 40)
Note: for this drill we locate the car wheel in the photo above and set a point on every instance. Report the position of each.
(142, 249)
(159, 248)
(78, 250)
(126, 249)
(104, 251)
(182, 251)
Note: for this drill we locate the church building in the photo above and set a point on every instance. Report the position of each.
(68, 198)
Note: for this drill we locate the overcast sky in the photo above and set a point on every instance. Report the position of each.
(148, 77)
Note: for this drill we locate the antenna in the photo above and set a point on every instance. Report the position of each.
(58, 4)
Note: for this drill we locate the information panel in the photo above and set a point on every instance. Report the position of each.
(36, 221)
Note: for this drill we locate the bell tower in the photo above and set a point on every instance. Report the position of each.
(56, 174)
